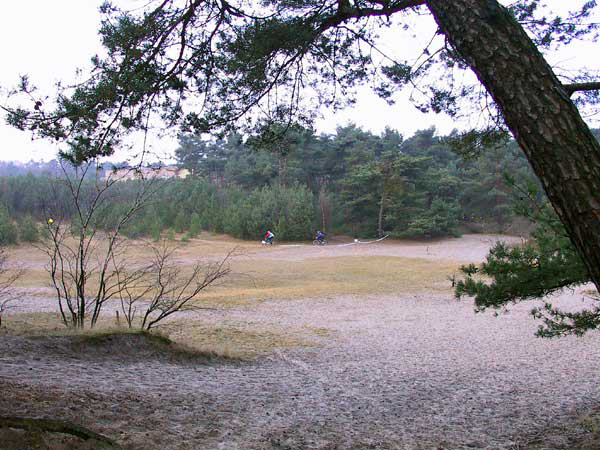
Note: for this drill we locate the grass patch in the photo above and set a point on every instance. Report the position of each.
(106, 334)
(155, 342)
(33, 324)
(318, 331)
(591, 423)
(238, 342)
(181, 339)
(331, 276)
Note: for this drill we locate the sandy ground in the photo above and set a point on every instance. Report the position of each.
(468, 248)
(391, 372)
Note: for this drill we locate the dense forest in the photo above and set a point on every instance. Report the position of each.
(352, 182)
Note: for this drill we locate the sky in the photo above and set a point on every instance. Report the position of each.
(49, 40)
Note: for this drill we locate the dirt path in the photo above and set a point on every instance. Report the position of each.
(419, 371)
(468, 248)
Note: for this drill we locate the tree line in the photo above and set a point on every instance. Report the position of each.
(352, 182)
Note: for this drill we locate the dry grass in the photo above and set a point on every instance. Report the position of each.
(190, 336)
(256, 281)
(234, 342)
(33, 324)
(591, 423)
(155, 341)
(51, 324)
(257, 277)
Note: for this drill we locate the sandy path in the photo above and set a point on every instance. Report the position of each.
(468, 248)
(412, 372)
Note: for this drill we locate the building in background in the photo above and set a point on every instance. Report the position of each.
(136, 173)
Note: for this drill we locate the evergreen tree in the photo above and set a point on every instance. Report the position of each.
(547, 263)
(440, 219)
(191, 151)
(8, 230)
(196, 225)
(181, 222)
(28, 230)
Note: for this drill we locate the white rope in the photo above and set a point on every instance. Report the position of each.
(372, 242)
(356, 241)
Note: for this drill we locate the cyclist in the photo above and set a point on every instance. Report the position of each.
(320, 236)
(269, 237)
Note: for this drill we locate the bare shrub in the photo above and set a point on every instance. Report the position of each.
(8, 277)
(163, 288)
(84, 261)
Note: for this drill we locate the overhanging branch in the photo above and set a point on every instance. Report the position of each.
(346, 12)
(577, 87)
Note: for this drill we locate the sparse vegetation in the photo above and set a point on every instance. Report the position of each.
(83, 273)
(8, 277)
(160, 289)
(591, 423)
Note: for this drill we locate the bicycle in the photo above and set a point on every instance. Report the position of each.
(319, 242)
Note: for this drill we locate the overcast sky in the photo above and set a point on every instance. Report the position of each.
(50, 39)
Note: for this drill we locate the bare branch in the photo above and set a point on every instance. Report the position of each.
(173, 291)
(8, 277)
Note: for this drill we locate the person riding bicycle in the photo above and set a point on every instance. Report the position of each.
(320, 236)
(269, 237)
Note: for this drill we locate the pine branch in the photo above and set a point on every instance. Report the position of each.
(578, 87)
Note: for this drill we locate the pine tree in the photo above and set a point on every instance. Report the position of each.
(8, 230)
(547, 263)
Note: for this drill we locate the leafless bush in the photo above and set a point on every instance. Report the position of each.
(84, 262)
(8, 277)
(162, 288)
(88, 266)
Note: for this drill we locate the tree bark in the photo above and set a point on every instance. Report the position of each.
(536, 107)
(381, 209)
(323, 206)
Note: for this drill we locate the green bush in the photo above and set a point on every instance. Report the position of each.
(28, 230)
(288, 211)
(8, 230)
(181, 223)
(195, 225)
(440, 220)
(155, 231)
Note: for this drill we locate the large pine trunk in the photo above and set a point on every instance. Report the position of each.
(544, 121)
